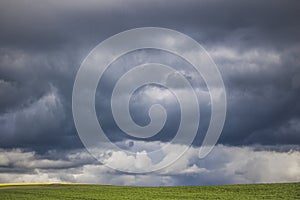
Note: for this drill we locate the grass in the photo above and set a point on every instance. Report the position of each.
(87, 191)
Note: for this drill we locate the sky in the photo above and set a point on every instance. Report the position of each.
(255, 44)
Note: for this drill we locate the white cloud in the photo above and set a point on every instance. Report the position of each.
(225, 165)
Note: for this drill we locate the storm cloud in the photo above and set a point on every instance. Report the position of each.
(255, 44)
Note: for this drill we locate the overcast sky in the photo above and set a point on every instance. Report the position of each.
(255, 44)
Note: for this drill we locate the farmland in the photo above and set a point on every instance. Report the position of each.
(56, 191)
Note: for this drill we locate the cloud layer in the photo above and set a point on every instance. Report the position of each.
(255, 44)
(225, 165)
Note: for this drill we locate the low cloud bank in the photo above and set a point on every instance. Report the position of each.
(224, 165)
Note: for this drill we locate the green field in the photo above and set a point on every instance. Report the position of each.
(79, 191)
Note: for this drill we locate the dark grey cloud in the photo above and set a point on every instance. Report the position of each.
(255, 44)
(53, 23)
